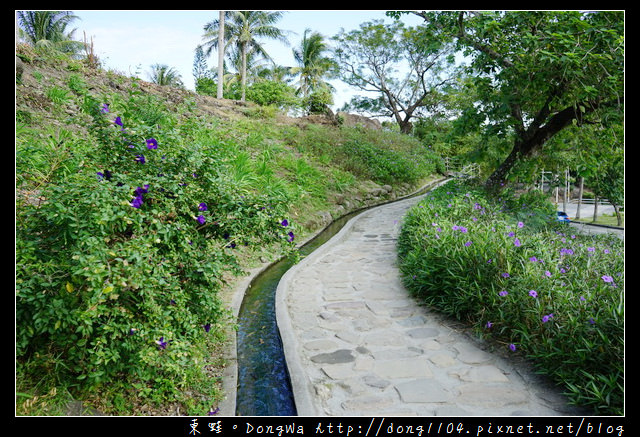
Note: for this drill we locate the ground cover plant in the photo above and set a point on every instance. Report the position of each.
(531, 285)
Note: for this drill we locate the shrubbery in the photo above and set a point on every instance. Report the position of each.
(118, 269)
(383, 157)
(531, 284)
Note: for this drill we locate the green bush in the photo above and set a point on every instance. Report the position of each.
(272, 93)
(118, 270)
(383, 157)
(517, 276)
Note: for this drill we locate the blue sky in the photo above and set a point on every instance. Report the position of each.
(130, 41)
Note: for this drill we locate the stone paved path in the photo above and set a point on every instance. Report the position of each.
(357, 344)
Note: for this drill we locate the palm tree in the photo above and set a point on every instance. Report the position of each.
(243, 29)
(313, 66)
(164, 75)
(276, 73)
(48, 29)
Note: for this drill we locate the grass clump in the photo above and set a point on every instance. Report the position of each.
(518, 277)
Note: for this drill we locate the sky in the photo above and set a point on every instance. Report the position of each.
(131, 41)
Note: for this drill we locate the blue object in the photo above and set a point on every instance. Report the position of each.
(563, 217)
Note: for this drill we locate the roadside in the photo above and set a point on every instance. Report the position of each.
(586, 213)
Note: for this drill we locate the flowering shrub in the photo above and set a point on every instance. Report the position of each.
(118, 270)
(528, 282)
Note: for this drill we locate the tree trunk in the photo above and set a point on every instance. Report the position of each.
(616, 208)
(533, 138)
(220, 54)
(498, 178)
(244, 71)
(405, 126)
(580, 197)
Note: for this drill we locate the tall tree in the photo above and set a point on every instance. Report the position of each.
(220, 53)
(538, 72)
(48, 29)
(372, 57)
(244, 29)
(313, 64)
(200, 68)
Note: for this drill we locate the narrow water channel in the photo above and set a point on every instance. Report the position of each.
(264, 388)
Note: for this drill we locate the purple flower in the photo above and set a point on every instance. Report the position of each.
(161, 343)
(152, 144)
(202, 206)
(546, 318)
(118, 121)
(201, 219)
(533, 293)
(505, 275)
(517, 243)
(141, 190)
(284, 223)
(468, 243)
(104, 108)
(547, 273)
(503, 293)
(140, 158)
(520, 224)
(106, 175)
(512, 347)
(207, 327)
(291, 237)
(533, 259)
(489, 325)
(137, 202)
(607, 278)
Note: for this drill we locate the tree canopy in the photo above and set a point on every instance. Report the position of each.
(537, 72)
(404, 68)
(244, 29)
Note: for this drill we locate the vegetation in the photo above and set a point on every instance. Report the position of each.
(138, 204)
(514, 274)
(242, 30)
(370, 57)
(132, 218)
(537, 73)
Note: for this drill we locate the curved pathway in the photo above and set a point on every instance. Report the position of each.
(357, 344)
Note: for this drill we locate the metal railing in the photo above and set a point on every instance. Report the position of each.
(456, 167)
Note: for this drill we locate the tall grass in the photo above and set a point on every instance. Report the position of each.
(532, 285)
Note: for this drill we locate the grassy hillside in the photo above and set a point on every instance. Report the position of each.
(138, 205)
